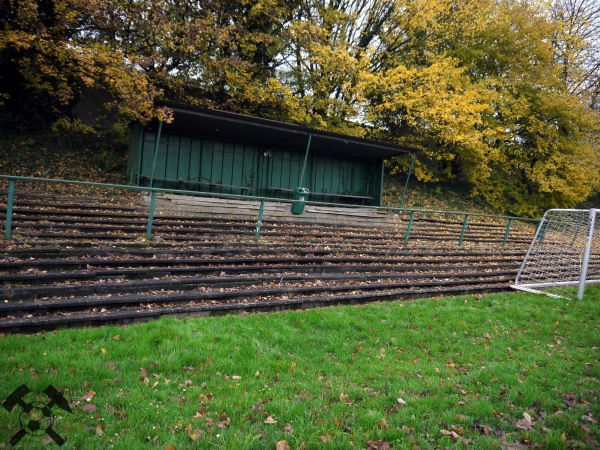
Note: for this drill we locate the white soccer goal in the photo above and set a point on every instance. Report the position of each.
(564, 256)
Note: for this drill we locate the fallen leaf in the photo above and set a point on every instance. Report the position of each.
(293, 366)
(382, 424)
(200, 414)
(144, 376)
(343, 397)
(282, 445)
(289, 428)
(401, 401)
(270, 420)
(452, 434)
(103, 350)
(338, 422)
(526, 423)
(223, 421)
(325, 438)
(88, 407)
(590, 441)
(378, 445)
(99, 430)
(458, 430)
(88, 397)
(570, 400)
(484, 429)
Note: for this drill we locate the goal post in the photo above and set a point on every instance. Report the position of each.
(564, 256)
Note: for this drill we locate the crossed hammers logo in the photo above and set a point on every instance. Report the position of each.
(36, 418)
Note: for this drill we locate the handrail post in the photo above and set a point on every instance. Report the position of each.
(151, 215)
(506, 233)
(156, 144)
(259, 221)
(462, 232)
(9, 209)
(408, 227)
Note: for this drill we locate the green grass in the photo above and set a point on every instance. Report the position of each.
(326, 378)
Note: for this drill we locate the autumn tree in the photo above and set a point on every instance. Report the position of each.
(479, 91)
(49, 55)
(496, 93)
(219, 54)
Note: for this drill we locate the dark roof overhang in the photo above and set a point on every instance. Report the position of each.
(228, 126)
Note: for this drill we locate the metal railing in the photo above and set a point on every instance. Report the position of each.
(411, 213)
(463, 220)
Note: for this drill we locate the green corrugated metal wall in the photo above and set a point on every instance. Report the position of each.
(234, 168)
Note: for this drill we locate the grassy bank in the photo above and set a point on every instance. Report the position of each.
(48, 154)
(499, 371)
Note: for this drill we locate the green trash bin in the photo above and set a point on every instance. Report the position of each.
(300, 196)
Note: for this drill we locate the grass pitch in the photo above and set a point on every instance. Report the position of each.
(500, 371)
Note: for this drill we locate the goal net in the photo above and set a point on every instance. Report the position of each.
(564, 256)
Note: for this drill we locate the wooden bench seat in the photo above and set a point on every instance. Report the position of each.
(362, 199)
(187, 184)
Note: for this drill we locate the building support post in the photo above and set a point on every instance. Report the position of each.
(160, 124)
(410, 169)
(305, 161)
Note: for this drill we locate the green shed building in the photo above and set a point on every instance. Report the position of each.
(223, 152)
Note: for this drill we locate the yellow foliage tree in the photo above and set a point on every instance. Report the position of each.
(495, 93)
